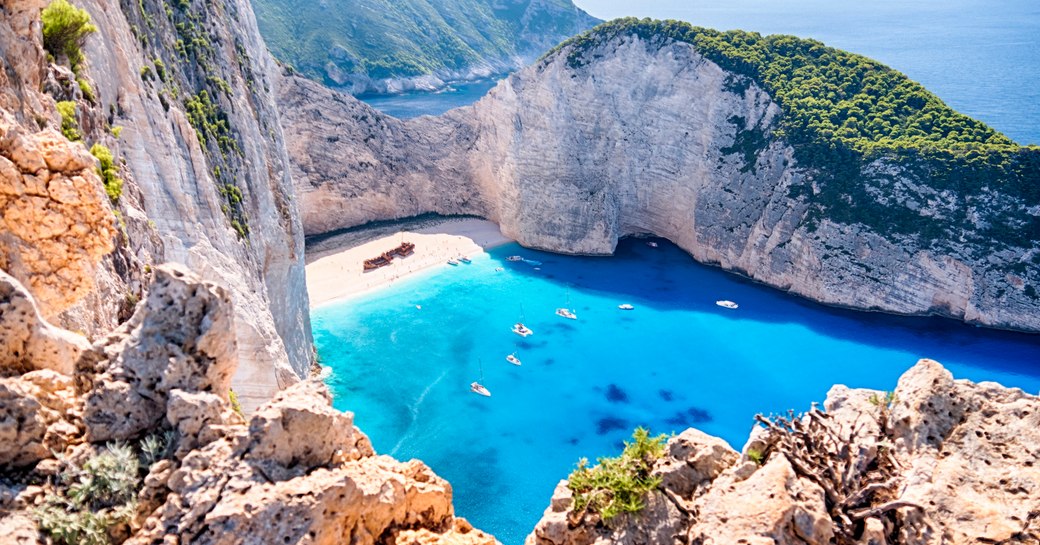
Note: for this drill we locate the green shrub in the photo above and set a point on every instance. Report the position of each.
(86, 89)
(116, 131)
(92, 499)
(617, 486)
(65, 29)
(146, 72)
(108, 171)
(69, 125)
(235, 405)
(160, 69)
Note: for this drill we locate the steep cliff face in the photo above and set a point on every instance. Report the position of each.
(646, 135)
(937, 461)
(197, 142)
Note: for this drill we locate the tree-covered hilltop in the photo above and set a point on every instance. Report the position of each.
(332, 40)
(852, 120)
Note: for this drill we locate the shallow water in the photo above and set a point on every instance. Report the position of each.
(677, 360)
(982, 57)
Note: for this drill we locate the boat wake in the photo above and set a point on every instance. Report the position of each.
(414, 409)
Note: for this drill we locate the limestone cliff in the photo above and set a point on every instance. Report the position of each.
(180, 95)
(642, 135)
(939, 461)
(192, 469)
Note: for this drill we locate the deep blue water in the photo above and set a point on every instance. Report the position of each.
(677, 360)
(982, 57)
(409, 105)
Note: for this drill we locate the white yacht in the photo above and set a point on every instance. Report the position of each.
(626, 306)
(514, 258)
(477, 388)
(522, 330)
(727, 304)
(513, 359)
(453, 262)
(566, 313)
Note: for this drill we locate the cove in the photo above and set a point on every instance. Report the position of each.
(677, 360)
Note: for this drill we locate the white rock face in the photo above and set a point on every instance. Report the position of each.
(180, 196)
(643, 138)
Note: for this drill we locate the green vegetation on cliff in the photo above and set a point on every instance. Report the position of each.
(65, 28)
(854, 121)
(617, 486)
(329, 41)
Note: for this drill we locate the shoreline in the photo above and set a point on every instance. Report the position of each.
(335, 266)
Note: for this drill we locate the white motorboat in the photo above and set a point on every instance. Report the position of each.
(514, 258)
(566, 313)
(453, 262)
(465, 259)
(651, 244)
(727, 304)
(513, 359)
(626, 306)
(522, 330)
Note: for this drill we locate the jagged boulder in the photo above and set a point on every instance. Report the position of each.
(27, 341)
(938, 461)
(56, 221)
(36, 410)
(302, 473)
(180, 338)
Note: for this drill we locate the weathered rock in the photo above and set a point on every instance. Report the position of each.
(55, 217)
(961, 469)
(773, 505)
(36, 411)
(180, 338)
(303, 474)
(305, 411)
(694, 460)
(27, 341)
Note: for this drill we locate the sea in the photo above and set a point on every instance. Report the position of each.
(982, 57)
(403, 358)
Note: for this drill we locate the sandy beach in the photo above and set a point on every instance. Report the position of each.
(335, 267)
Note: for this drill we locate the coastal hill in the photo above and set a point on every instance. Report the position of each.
(810, 169)
(382, 46)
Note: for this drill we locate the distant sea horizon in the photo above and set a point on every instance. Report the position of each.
(981, 58)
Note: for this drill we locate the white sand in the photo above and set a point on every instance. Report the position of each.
(336, 274)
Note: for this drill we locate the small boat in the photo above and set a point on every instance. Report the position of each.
(513, 359)
(478, 388)
(522, 330)
(514, 258)
(727, 304)
(418, 307)
(651, 244)
(499, 269)
(566, 313)
(626, 306)
(465, 259)
(452, 262)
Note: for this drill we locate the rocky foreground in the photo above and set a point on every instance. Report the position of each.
(297, 471)
(940, 461)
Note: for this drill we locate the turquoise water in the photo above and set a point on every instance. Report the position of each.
(982, 57)
(677, 360)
